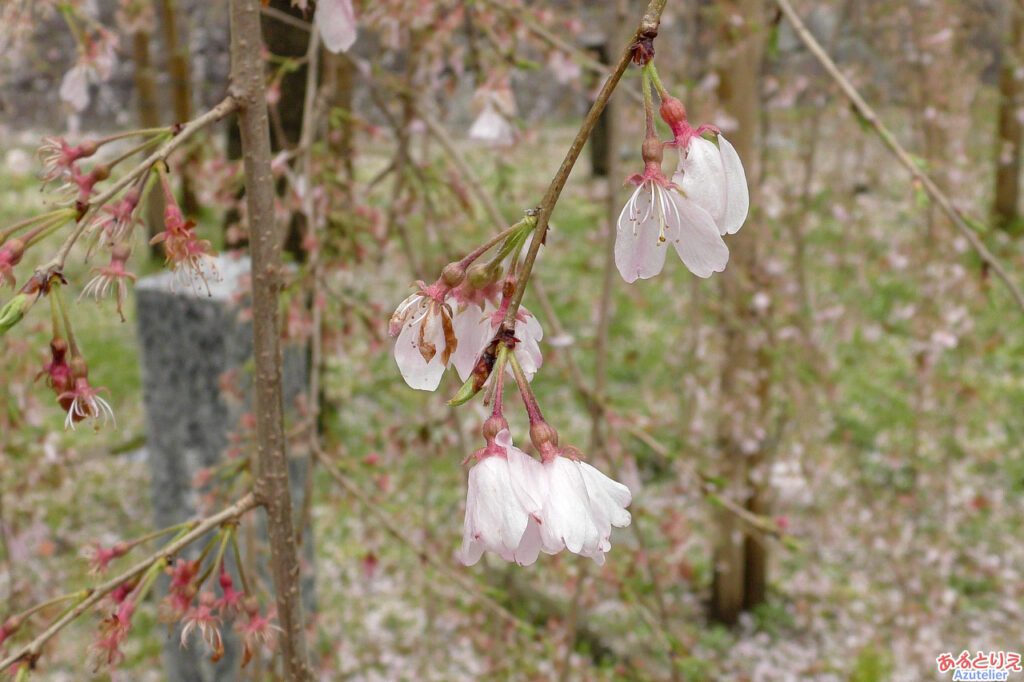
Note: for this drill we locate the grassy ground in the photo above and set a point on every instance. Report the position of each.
(896, 417)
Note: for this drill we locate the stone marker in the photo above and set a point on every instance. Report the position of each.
(188, 342)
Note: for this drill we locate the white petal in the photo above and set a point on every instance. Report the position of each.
(639, 251)
(337, 24)
(607, 496)
(529, 332)
(529, 547)
(492, 128)
(528, 479)
(567, 520)
(417, 372)
(497, 519)
(473, 330)
(74, 88)
(698, 241)
(737, 196)
(702, 178)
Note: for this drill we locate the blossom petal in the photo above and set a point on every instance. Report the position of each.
(529, 332)
(421, 374)
(698, 241)
(492, 128)
(567, 521)
(702, 178)
(608, 497)
(736, 193)
(494, 517)
(528, 478)
(337, 23)
(473, 330)
(529, 547)
(74, 87)
(639, 251)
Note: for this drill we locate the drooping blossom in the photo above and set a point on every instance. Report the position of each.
(113, 275)
(120, 219)
(336, 21)
(231, 601)
(94, 65)
(581, 504)
(496, 105)
(57, 156)
(709, 173)
(106, 650)
(81, 186)
(202, 619)
(99, 557)
(476, 321)
(58, 371)
(657, 215)
(425, 335)
(258, 631)
(192, 259)
(503, 504)
(83, 401)
(181, 592)
(517, 506)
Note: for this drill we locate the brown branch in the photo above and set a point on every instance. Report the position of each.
(225, 107)
(31, 651)
(648, 27)
(869, 115)
(272, 486)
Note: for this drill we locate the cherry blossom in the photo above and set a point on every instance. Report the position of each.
(657, 215)
(426, 337)
(193, 260)
(112, 276)
(476, 324)
(710, 173)
(581, 505)
(336, 21)
(57, 156)
(492, 125)
(503, 504)
(94, 65)
(517, 506)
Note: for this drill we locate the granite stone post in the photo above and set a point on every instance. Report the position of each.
(188, 342)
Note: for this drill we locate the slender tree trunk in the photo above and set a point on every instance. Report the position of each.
(176, 44)
(272, 488)
(149, 117)
(1010, 133)
(740, 563)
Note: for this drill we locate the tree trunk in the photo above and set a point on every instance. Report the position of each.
(272, 487)
(149, 117)
(176, 44)
(740, 563)
(1009, 136)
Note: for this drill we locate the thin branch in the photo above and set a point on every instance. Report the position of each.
(31, 651)
(648, 27)
(225, 107)
(869, 115)
(272, 483)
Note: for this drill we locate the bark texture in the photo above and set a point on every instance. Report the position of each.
(1010, 134)
(272, 489)
(740, 561)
